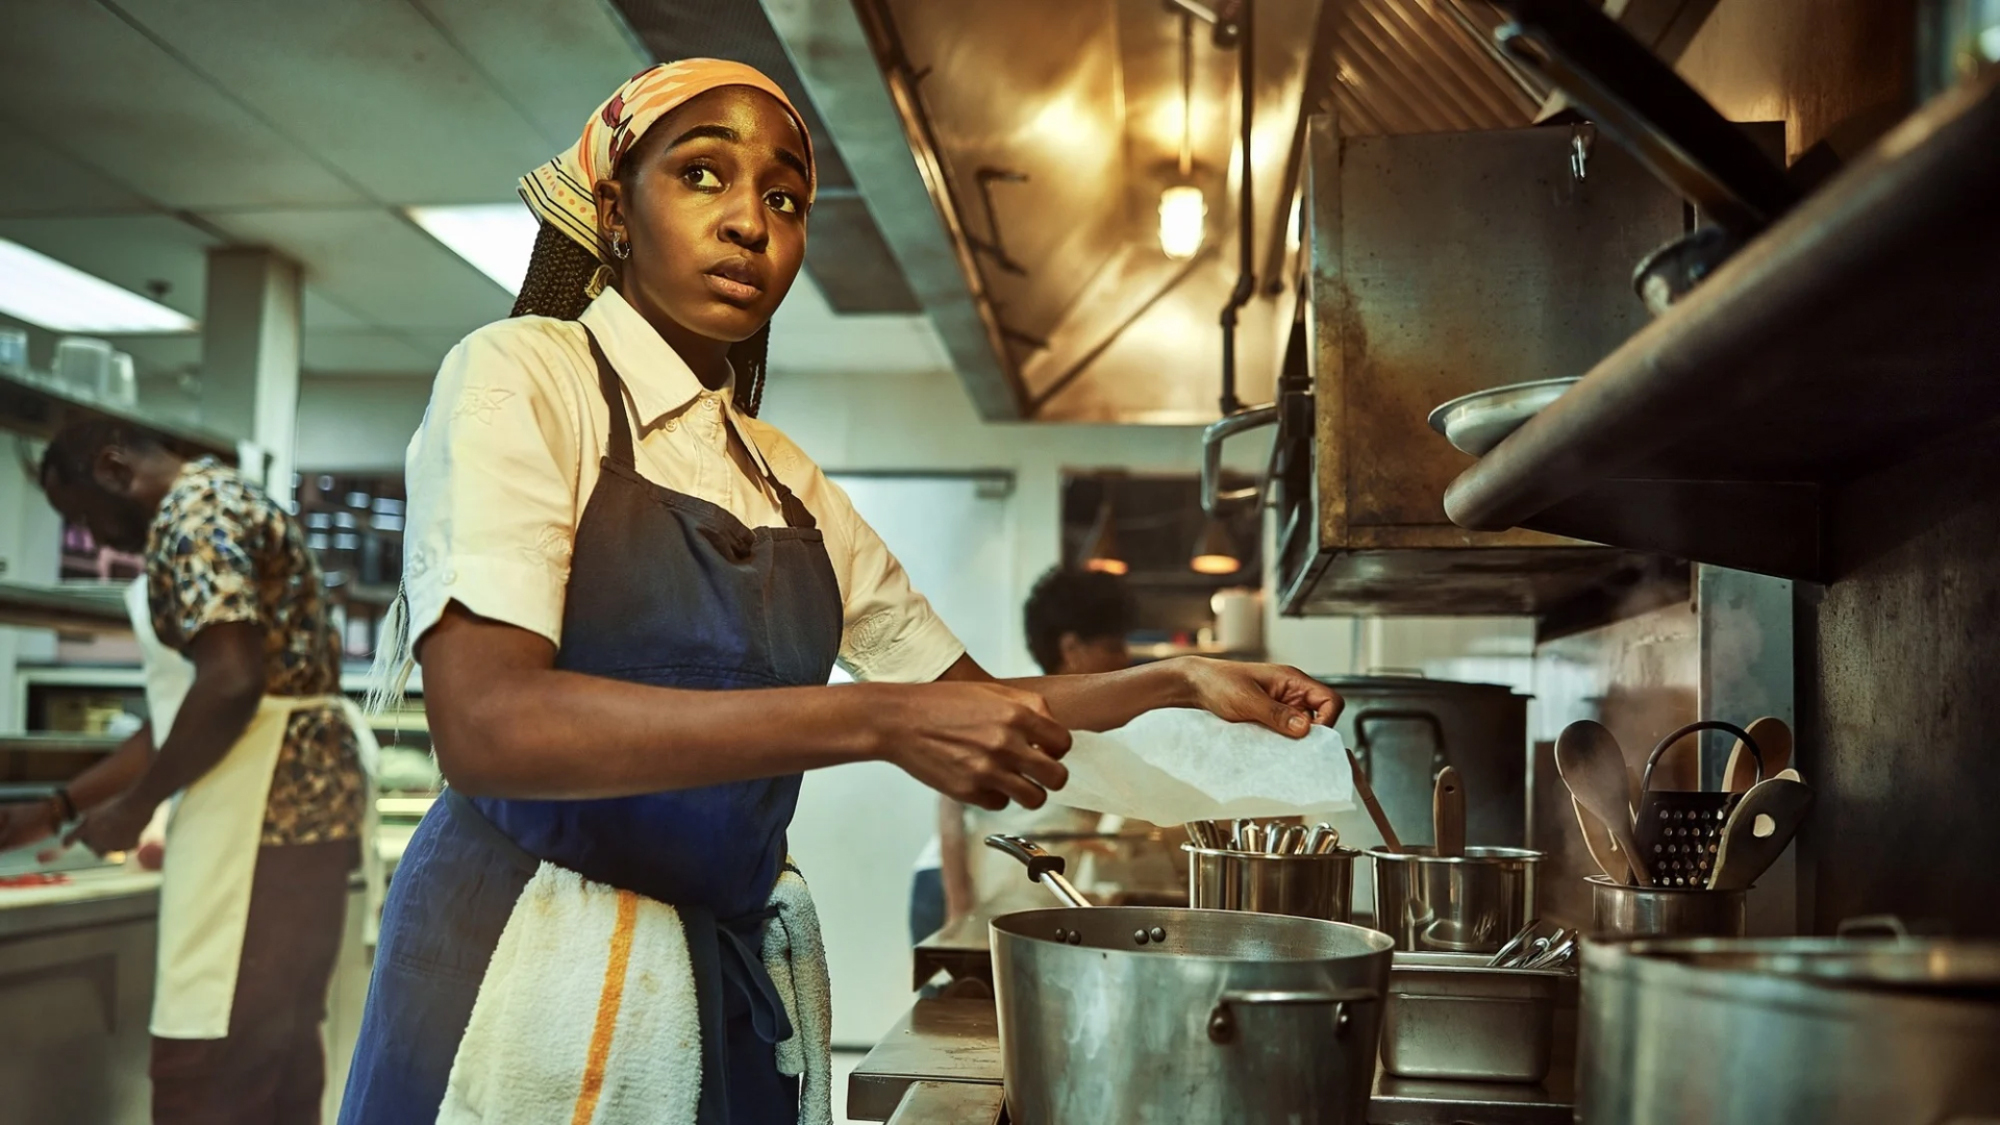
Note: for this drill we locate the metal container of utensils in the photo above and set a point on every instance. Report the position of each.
(1454, 1016)
(1619, 911)
(1453, 904)
(1270, 868)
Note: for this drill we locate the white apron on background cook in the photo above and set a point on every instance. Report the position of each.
(213, 834)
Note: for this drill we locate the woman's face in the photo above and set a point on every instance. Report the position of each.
(713, 203)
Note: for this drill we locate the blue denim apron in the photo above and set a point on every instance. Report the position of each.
(664, 589)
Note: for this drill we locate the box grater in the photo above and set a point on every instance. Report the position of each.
(1679, 832)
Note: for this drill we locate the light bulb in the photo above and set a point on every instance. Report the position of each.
(1183, 215)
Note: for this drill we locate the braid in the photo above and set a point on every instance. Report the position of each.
(558, 285)
(558, 280)
(749, 358)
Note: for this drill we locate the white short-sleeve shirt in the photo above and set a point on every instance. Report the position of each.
(507, 455)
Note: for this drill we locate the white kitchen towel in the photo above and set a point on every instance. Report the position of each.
(795, 956)
(1176, 765)
(587, 1013)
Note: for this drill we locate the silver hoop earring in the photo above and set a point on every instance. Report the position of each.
(620, 249)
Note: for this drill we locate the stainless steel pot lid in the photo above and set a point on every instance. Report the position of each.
(1897, 964)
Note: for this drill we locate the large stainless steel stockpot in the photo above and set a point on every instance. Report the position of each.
(1789, 1031)
(1166, 1016)
(1159, 1016)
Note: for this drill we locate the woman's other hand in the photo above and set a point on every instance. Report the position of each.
(1276, 695)
(26, 822)
(983, 744)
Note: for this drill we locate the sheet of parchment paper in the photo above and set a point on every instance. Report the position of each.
(1177, 765)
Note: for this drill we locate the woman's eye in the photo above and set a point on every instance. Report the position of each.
(783, 201)
(699, 176)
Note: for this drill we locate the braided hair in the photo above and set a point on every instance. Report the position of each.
(558, 285)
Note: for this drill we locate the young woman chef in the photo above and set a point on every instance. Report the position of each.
(627, 594)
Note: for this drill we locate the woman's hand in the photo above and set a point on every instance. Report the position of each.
(113, 826)
(980, 743)
(1276, 695)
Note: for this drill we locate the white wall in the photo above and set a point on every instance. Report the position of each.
(31, 551)
(355, 424)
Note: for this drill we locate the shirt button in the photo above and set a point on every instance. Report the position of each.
(450, 576)
(673, 424)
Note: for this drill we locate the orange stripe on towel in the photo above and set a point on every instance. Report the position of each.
(607, 1009)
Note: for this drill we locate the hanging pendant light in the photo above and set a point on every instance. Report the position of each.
(1215, 551)
(1183, 208)
(1102, 554)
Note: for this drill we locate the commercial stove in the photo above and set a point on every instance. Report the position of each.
(940, 1065)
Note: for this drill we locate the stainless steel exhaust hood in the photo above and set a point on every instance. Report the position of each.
(1044, 133)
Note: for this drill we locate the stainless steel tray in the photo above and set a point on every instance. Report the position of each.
(1450, 1016)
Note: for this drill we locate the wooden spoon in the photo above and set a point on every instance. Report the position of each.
(1448, 814)
(1592, 765)
(1774, 739)
(1602, 848)
(1758, 829)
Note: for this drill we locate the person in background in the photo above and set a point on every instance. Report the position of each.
(267, 758)
(1076, 623)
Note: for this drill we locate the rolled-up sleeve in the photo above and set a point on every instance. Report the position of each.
(492, 476)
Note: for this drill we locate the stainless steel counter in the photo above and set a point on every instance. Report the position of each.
(947, 1043)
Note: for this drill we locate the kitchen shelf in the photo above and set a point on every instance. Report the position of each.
(89, 609)
(1859, 330)
(39, 409)
(58, 742)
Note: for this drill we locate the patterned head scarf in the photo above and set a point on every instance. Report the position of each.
(562, 192)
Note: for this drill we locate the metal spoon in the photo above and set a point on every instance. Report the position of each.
(1592, 765)
(1514, 944)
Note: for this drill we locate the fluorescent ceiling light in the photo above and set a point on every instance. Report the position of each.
(497, 239)
(40, 290)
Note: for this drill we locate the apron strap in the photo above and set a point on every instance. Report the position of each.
(620, 450)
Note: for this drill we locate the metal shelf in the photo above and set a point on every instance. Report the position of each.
(67, 609)
(39, 409)
(45, 742)
(1857, 331)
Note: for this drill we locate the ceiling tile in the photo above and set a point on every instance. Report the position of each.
(808, 338)
(377, 266)
(126, 250)
(319, 312)
(42, 181)
(111, 98)
(556, 61)
(380, 94)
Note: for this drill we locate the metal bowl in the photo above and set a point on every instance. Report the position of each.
(1477, 422)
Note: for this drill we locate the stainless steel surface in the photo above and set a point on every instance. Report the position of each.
(1452, 1016)
(1475, 423)
(1513, 947)
(1306, 886)
(1403, 729)
(1468, 904)
(950, 1103)
(1618, 911)
(1249, 836)
(957, 1041)
(1410, 67)
(72, 609)
(1396, 328)
(1291, 840)
(1790, 1031)
(1294, 1041)
(1212, 437)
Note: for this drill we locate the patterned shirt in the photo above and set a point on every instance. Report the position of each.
(221, 551)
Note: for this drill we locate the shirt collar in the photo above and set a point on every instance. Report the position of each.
(658, 379)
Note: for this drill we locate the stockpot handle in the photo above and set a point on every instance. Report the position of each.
(1043, 867)
(1222, 1021)
(1653, 759)
(1392, 715)
(1889, 924)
